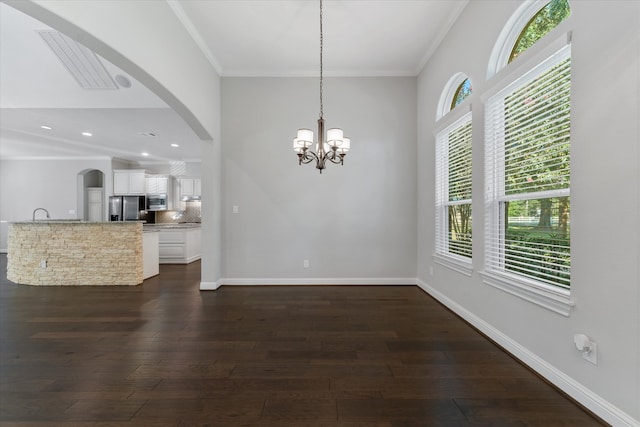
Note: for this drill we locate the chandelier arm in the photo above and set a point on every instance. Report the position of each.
(334, 158)
(308, 157)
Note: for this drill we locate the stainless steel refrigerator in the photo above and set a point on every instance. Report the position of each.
(126, 208)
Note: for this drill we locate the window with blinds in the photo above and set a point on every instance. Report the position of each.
(453, 190)
(527, 158)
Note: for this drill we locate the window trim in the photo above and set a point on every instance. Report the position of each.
(448, 94)
(557, 300)
(553, 298)
(455, 262)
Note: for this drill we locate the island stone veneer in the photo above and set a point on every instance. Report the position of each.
(75, 253)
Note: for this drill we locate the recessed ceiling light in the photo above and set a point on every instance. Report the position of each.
(145, 153)
(46, 127)
(175, 145)
(87, 134)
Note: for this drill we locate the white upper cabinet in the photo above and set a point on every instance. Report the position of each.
(157, 184)
(190, 187)
(129, 182)
(186, 187)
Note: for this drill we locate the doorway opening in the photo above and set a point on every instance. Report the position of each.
(91, 206)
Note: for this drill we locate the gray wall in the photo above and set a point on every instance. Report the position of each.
(352, 221)
(605, 198)
(26, 184)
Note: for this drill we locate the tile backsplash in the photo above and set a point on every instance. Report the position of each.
(192, 213)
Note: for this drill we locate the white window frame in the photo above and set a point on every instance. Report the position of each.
(442, 255)
(550, 297)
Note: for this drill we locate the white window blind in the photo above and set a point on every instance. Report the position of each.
(527, 159)
(453, 190)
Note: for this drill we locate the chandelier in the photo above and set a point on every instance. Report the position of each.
(336, 145)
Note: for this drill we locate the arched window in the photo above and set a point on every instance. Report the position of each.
(457, 89)
(542, 22)
(530, 23)
(462, 92)
(527, 163)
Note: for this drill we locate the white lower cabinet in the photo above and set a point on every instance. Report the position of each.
(150, 254)
(180, 246)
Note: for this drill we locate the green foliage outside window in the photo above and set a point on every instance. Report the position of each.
(537, 239)
(544, 21)
(463, 91)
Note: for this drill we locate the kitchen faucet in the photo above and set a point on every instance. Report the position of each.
(40, 209)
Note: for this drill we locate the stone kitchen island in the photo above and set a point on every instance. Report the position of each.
(75, 253)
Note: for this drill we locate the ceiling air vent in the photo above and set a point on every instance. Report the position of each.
(81, 62)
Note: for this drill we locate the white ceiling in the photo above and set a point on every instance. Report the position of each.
(281, 38)
(240, 38)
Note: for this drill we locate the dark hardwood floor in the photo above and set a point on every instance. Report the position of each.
(165, 354)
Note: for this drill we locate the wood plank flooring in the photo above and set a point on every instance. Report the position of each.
(165, 354)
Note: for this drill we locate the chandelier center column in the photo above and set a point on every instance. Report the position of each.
(332, 148)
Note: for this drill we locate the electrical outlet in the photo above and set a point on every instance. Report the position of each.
(43, 263)
(587, 346)
(306, 263)
(592, 355)
(236, 209)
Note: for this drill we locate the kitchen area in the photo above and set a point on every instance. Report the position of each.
(150, 219)
(165, 204)
(104, 155)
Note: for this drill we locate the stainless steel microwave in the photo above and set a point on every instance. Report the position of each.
(156, 202)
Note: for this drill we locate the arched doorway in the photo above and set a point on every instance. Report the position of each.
(91, 195)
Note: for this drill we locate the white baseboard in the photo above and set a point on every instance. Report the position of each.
(323, 281)
(590, 400)
(209, 286)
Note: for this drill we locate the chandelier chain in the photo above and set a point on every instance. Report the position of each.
(321, 46)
